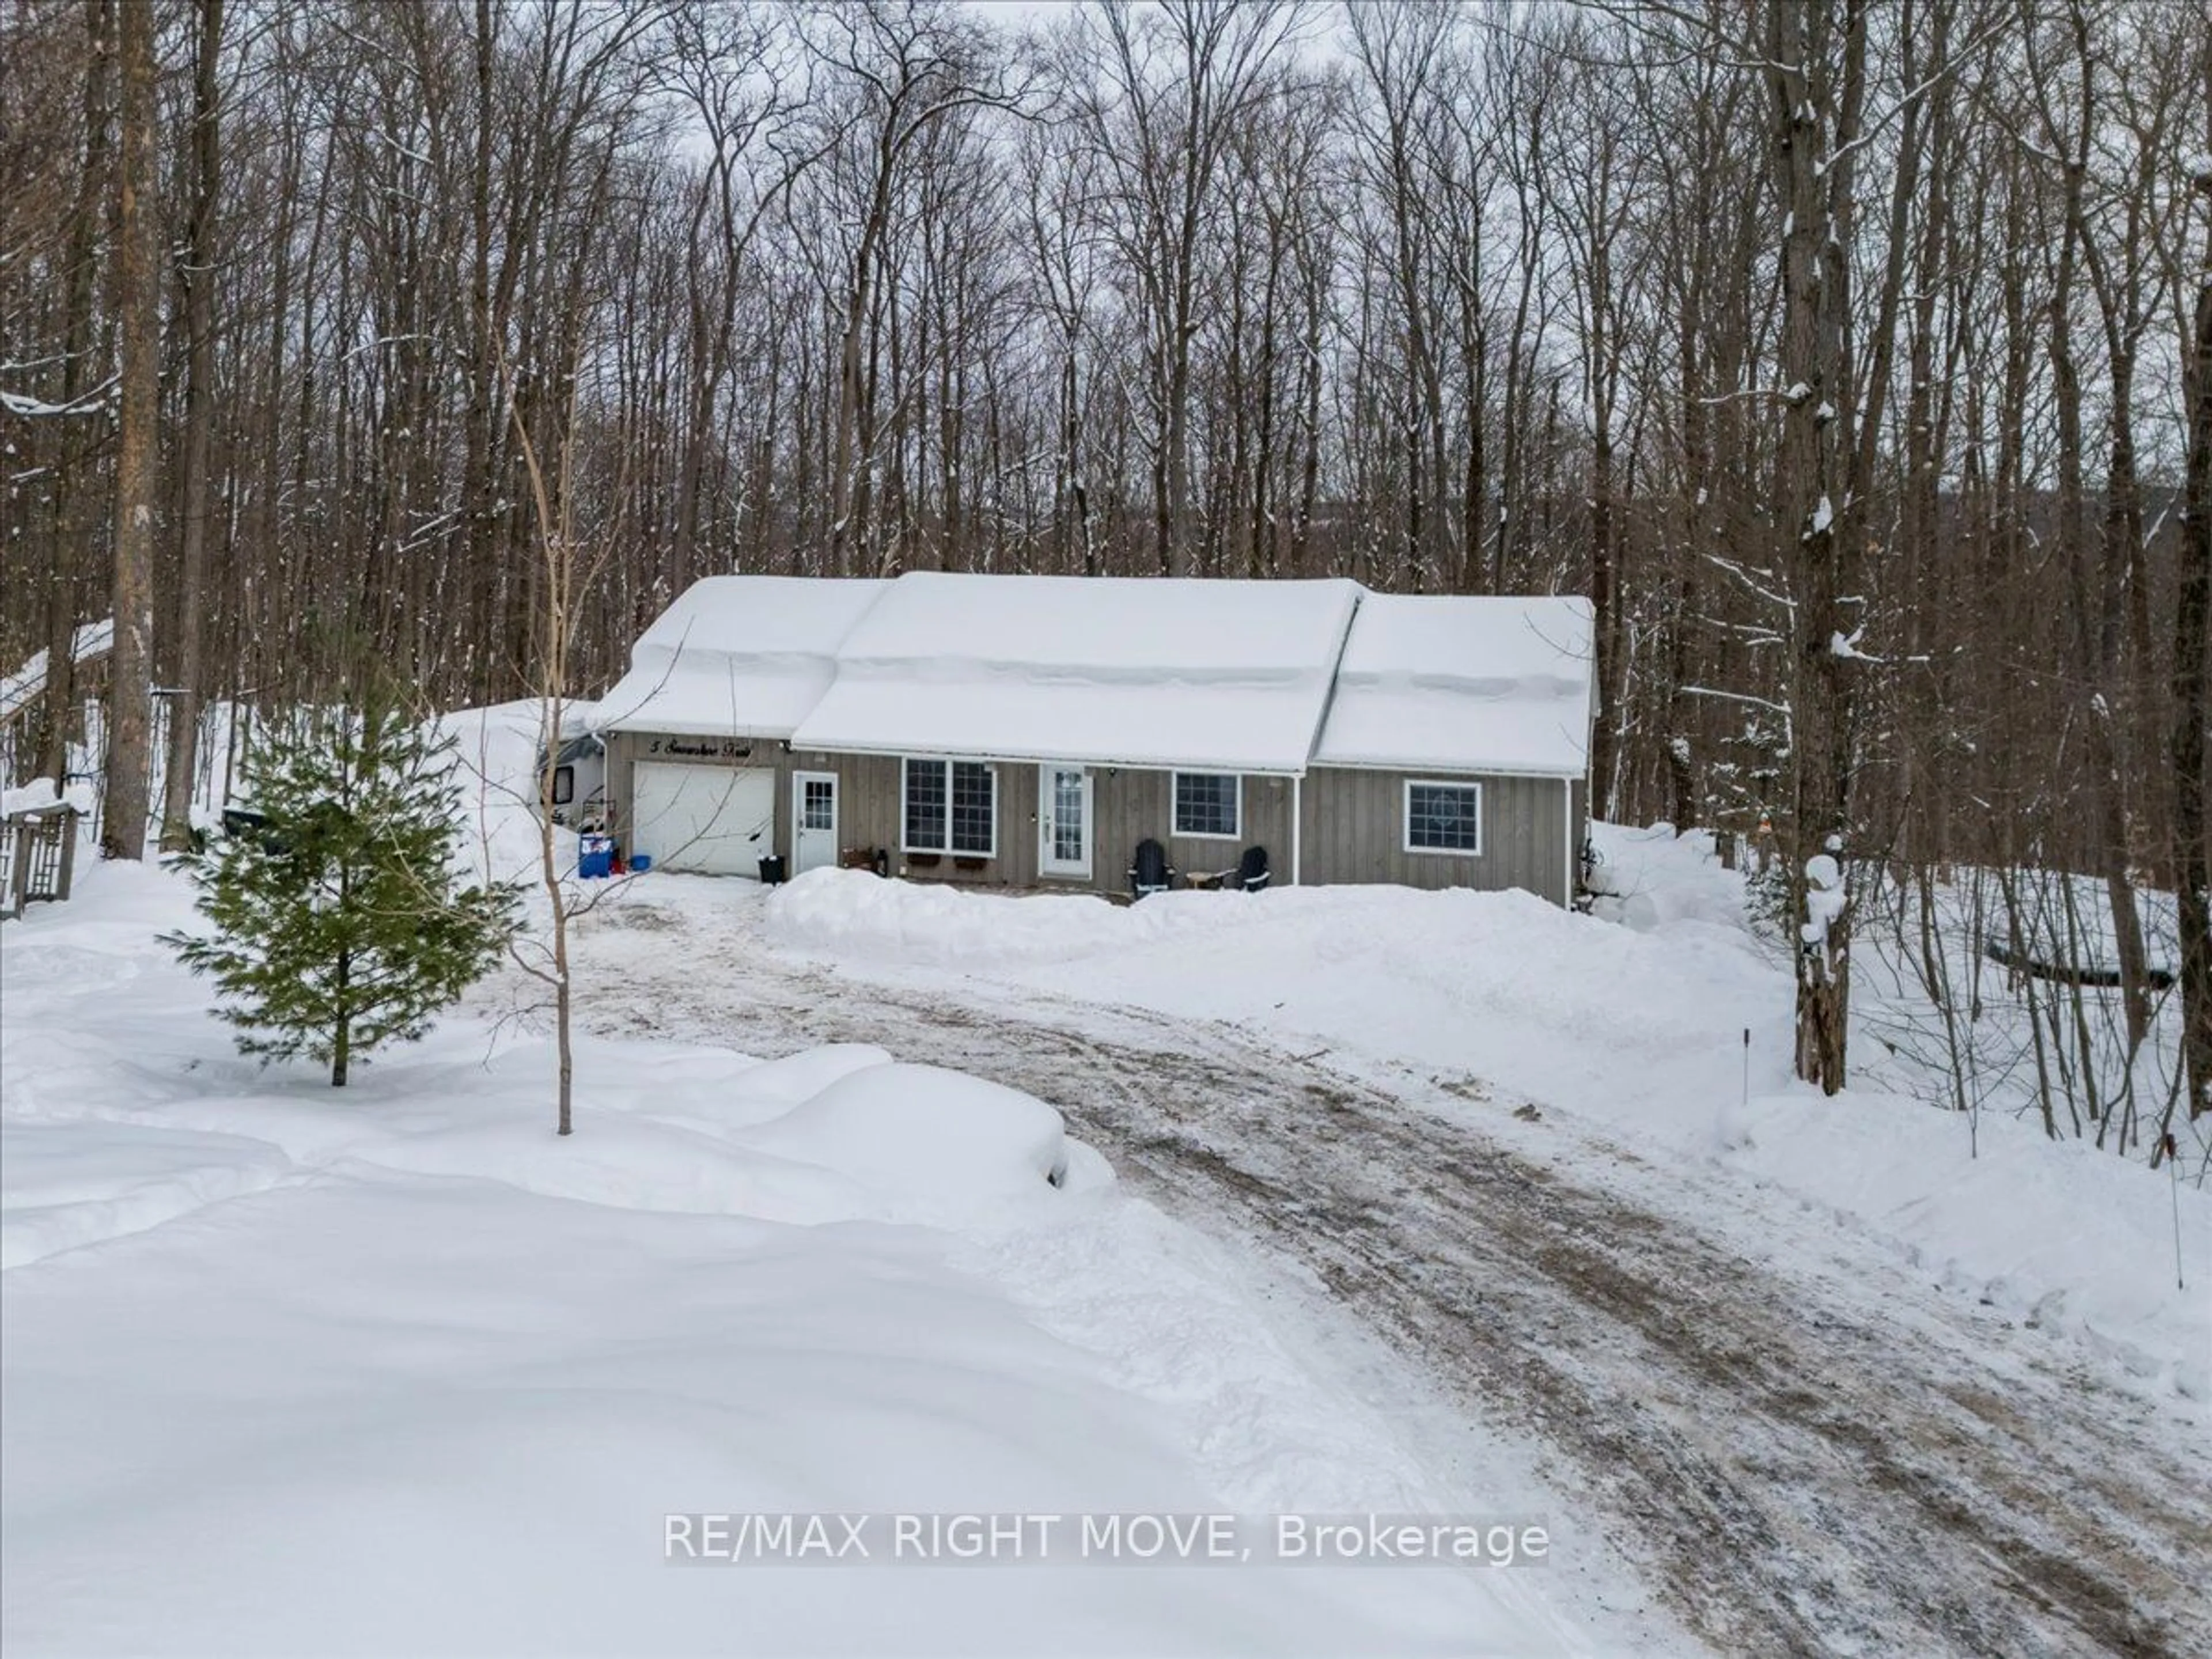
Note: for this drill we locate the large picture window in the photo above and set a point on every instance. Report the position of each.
(1444, 817)
(1206, 804)
(952, 806)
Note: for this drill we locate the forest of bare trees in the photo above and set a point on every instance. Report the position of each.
(1845, 352)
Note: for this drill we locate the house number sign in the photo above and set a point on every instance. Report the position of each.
(700, 748)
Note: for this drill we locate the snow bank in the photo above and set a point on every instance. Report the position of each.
(800, 1076)
(1634, 1032)
(848, 910)
(2068, 1238)
(876, 1141)
(924, 1131)
(1655, 880)
(394, 1369)
(495, 751)
(73, 1184)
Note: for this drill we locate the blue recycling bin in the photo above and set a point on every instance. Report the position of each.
(595, 857)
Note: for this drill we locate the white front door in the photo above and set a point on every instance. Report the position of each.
(1064, 821)
(814, 821)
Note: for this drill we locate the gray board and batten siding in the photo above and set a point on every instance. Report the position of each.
(1353, 827)
(1128, 804)
(875, 805)
(1354, 831)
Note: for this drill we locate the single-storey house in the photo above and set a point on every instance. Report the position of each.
(1032, 731)
(700, 773)
(1457, 749)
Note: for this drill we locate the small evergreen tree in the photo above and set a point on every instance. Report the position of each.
(340, 923)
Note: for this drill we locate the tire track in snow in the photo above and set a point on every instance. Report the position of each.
(1795, 1471)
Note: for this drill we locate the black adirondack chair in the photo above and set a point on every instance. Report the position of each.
(1252, 872)
(1148, 870)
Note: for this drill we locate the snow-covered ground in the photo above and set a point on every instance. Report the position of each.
(1445, 1204)
(1489, 1167)
(1636, 1032)
(392, 1369)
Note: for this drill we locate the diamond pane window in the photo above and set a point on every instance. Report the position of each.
(1444, 817)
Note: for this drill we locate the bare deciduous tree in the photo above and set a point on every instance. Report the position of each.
(138, 309)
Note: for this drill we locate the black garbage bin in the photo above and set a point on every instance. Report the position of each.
(772, 871)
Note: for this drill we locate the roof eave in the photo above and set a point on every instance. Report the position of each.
(1004, 757)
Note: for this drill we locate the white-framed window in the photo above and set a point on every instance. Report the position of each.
(564, 785)
(1444, 817)
(1209, 805)
(952, 806)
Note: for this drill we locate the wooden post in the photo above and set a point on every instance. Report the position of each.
(19, 861)
(68, 873)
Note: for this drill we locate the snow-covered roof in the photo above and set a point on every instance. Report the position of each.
(1226, 675)
(1462, 684)
(748, 656)
(91, 642)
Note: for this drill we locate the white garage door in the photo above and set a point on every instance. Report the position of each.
(708, 819)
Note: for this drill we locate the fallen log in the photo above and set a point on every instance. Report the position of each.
(2063, 973)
